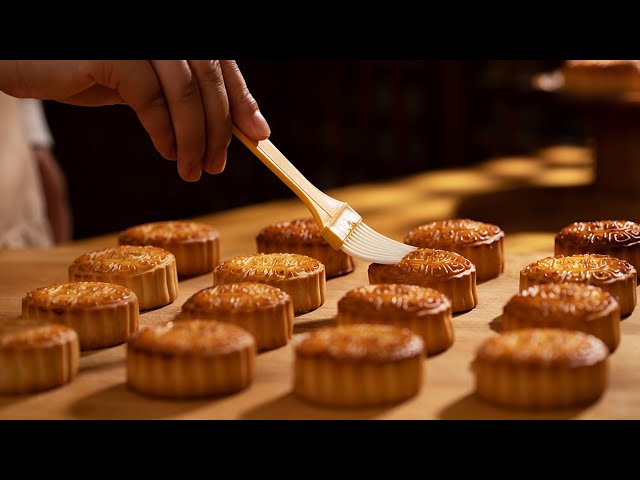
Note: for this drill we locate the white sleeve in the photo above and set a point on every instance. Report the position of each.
(35, 122)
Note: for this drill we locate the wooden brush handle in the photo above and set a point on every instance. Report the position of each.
(322, 206)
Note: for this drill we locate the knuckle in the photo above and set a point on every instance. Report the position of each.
(211, 73)
(247, 99)
(190, 89)
(154, 98)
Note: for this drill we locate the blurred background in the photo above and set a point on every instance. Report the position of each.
(340, 122)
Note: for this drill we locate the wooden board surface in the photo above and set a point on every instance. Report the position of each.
(100, 391)
(543, 194)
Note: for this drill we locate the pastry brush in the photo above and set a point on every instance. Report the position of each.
(339, 223)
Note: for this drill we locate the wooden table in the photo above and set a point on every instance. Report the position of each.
(529, 197)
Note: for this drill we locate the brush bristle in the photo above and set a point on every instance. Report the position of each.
(368, 245)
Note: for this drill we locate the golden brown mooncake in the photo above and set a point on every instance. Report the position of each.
(423, 310)
(263, 310)
(601, 77)
(541, 368)
(195, 245)
(616, 276)
(300, 276)
(190, 358)
(445, 271)
(147, 270)
(302, 236)
(571, 306)
(481, 243)
(36, 356)
(359, 365)
(103, 314)
(616, 238)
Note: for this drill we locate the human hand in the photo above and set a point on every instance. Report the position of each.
(186, 106)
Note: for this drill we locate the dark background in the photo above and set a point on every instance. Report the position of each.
(340, 122)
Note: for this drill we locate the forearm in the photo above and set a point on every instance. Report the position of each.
(35, 122)
(53, 180)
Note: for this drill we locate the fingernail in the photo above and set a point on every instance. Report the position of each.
(196, 172)
(216, 163)
(260, 125)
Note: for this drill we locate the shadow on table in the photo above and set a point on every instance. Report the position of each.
(470, 407)
(314, 324)
(277, 408)
(6, 400)
(120, 402)
(496, 324)
(550, 209)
